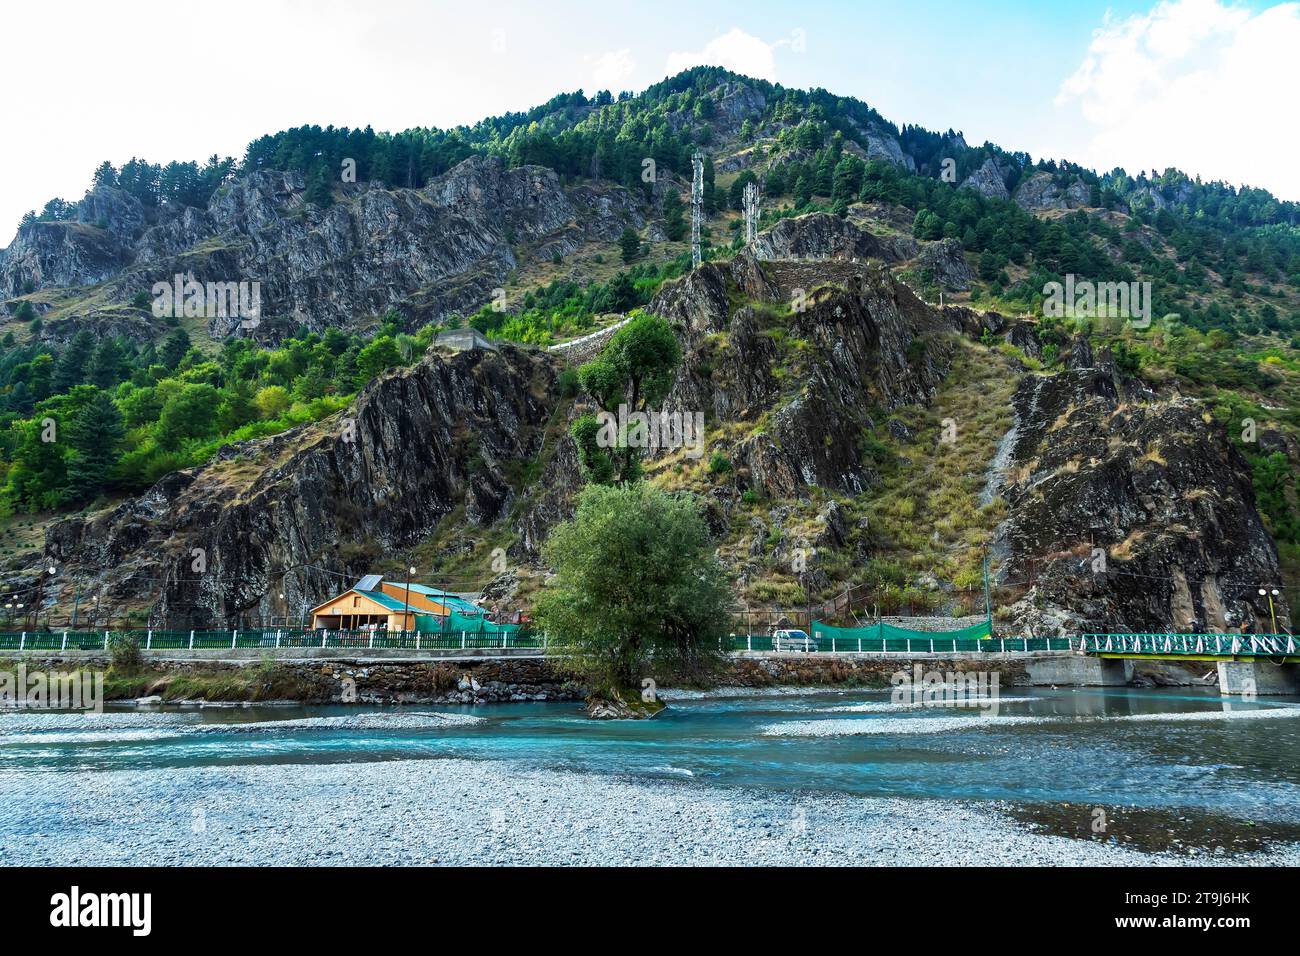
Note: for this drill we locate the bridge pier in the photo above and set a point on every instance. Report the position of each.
(1073, 670)
(1258, 677)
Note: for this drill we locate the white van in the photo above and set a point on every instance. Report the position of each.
(792, 640)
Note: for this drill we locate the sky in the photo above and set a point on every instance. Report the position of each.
(1203, 85)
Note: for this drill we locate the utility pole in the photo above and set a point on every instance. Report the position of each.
(988, 602)
(406, 611)
(751, 212)
(697, 205)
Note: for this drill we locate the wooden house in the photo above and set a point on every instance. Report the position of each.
(373, 603)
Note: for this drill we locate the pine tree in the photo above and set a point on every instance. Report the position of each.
(175, 348)
(107, 364)
(674, 217)
(630, 244)
(94, 434)
(71, 367)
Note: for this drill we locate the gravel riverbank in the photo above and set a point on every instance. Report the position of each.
(453, 811)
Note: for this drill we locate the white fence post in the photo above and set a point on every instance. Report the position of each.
(234, 636)
(148, 640)
(22, 642)
(65, 641)
(106, 640)
(462, 640)
(277, 639)
(191, 640)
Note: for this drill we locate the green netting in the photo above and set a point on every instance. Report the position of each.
(458, 623)
(883, 631)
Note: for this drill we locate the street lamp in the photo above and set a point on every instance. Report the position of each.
(1271, 593)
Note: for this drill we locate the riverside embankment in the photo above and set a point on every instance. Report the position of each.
(484, 676)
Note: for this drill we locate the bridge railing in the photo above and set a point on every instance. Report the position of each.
(1225, 645)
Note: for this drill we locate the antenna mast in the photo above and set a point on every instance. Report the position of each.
(697, 205)
(751, 212)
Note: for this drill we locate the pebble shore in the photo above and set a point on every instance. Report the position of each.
(470, 812)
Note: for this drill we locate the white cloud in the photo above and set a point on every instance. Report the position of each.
(1196, 84)
(611, 69)
(735, 50)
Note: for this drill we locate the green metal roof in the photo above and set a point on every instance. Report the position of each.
(453, 601)
(379, 597)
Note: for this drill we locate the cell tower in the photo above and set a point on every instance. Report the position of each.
(751, 212)
(697, 205)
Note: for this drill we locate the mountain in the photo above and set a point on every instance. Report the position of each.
(868, 437)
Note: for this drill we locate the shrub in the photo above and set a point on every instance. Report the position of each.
(124, 652)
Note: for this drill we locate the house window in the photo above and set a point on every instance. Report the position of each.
(356, 602)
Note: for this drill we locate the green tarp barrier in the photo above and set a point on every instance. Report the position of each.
(458, 623)
(882, 631)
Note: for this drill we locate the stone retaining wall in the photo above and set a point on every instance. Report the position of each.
(478, 680)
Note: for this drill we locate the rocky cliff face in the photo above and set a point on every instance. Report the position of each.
(82, 251)
(823, 236)
(1040, 192)
(1130, 511)
(430, 252)
(211, 545)
(871, 345)
(988, 181)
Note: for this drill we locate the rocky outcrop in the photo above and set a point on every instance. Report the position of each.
(737, 101)
(60, 253)
(1132, 515)
(873, 343)
(1040, 193)
(823, 236)
(428, 252)
(988, 181)
(88, 248)
(212, 544)
(946, 261)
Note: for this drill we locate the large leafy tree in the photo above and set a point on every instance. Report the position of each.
(637, 588)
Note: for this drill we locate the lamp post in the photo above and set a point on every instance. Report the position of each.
(1271, 593)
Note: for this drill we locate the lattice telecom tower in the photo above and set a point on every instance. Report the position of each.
(751, 212)
(697, 205)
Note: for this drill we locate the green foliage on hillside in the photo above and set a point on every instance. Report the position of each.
(93, 418)
(635, 367)
(564, 308)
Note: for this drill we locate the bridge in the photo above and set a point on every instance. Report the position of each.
(1281, 648)
(1248, 664)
